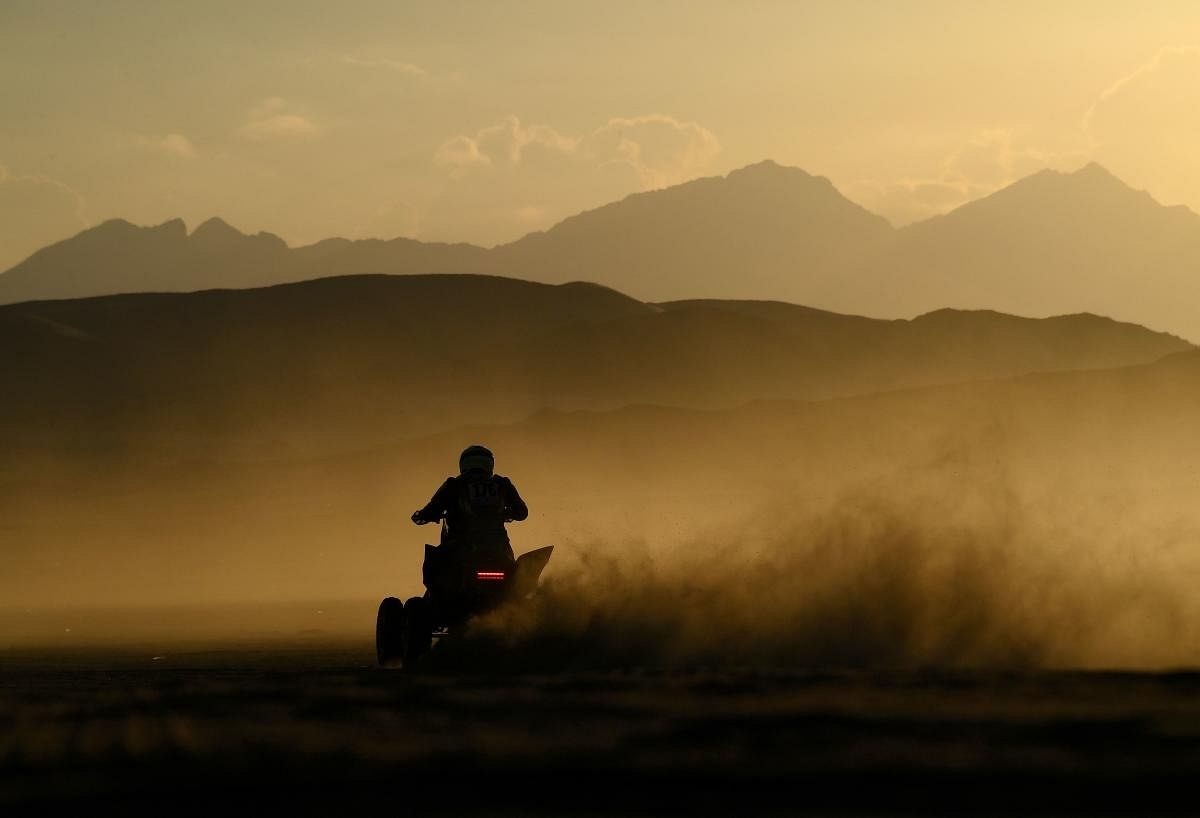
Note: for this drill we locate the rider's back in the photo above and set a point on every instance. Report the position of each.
(476, 507)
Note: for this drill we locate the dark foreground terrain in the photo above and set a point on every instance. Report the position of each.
(311, 730)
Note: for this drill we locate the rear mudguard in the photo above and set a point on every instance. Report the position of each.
(528, 569)
(444, 577)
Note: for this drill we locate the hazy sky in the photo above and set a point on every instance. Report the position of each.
(482, 121)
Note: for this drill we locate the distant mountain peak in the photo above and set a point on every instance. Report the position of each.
(218, 234)
(120, 229)
(1094, 168)
(770, 169)
(1092, 177)
(763, 166)
(216, 231)
(216, 224)
(770, 179)
(1089, 187)
(113, 225)
(173, 227)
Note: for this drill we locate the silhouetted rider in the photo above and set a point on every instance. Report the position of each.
(476, 504)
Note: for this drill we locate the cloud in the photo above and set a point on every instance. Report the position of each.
(398, 66)
(272, 120)
(36, 210)
(174, 145)
(178, 145)
(1169, 79)
(505, 143)
(659, 149)
(510, 177)
(460, 152)
(1146, 125)
(992, 158)
(280, 126)
(985, 162)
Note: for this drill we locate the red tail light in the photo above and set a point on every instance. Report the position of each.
(491, 576)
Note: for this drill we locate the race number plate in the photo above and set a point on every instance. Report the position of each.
(485, 494)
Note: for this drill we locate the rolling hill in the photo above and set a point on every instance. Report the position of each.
(352, 362)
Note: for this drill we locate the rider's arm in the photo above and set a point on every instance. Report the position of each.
(514, 506)
(437, 507)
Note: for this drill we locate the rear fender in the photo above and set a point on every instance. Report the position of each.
(528, 569)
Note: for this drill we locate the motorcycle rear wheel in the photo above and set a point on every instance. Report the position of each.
(418, 630)
(390, 627)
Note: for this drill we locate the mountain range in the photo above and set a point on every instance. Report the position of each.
(1049, 244)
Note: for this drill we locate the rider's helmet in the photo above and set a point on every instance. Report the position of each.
(476, 459)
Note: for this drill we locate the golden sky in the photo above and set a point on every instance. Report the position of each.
(482, 121)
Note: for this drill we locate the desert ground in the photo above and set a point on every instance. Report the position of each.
(308, 727)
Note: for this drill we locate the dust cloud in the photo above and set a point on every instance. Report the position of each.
(943, 577)
(1044, 521)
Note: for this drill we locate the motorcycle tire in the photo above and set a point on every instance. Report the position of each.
(418, 631)
(389, 633)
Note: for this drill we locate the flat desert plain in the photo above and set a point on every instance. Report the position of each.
(309, 728)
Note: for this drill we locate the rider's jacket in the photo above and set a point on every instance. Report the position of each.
(475, 507)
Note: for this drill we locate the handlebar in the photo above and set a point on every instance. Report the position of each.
(419, 520)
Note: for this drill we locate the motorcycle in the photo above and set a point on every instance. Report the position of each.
(462, 580)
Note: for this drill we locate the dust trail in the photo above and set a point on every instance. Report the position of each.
(871, 581)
